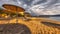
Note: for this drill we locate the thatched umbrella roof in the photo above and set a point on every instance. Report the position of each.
(12, 8)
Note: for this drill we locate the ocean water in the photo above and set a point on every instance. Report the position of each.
(55, 18)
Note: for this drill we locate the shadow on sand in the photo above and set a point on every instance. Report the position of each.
(51, 24)
(14, 29)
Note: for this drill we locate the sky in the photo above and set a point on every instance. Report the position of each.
(36, 7)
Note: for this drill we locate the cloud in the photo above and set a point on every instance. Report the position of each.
(37, 7)
(50, 7)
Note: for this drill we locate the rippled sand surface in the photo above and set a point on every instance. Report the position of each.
(34, 25)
